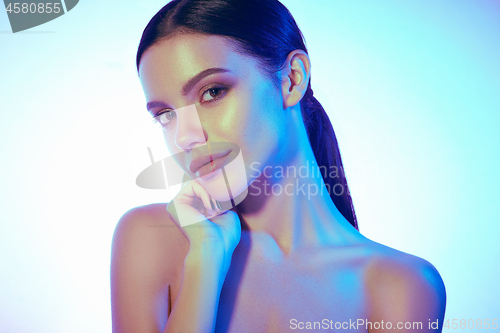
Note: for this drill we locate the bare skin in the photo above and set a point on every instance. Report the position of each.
(295, 258)
(265, 288)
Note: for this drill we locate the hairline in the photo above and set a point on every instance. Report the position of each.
(235, 44)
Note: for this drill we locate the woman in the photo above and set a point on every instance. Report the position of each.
(262, 236)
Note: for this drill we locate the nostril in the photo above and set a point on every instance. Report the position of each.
(188, 142)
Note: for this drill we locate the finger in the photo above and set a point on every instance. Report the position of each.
(205, 197)
(185, 213)
(193, 204)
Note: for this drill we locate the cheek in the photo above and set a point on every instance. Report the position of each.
(255, 123)
(169, 138)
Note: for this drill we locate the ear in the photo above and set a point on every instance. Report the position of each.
(295, 77)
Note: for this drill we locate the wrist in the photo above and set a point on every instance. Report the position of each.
(206, 257)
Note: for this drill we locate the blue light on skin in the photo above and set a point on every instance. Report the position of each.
(411, 88)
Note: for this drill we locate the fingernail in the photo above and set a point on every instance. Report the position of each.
(212, 204)
(218, 204)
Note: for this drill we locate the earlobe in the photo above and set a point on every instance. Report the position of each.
(295, 77)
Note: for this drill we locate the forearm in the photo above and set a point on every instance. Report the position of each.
(195, 309)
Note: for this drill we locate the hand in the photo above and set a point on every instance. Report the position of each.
(201, 220)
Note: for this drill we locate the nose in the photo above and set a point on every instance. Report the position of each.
(189, 132)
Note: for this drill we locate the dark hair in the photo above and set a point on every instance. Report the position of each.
(265, 30)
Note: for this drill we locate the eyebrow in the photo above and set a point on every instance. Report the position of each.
(155, 104)
(195, 79)
(190, 84)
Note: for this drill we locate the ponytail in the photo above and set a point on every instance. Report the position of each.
(326, 150)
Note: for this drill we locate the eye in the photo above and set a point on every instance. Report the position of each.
(213, 94)
(165, 117)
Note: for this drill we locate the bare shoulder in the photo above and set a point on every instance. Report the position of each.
(148, 232)
(403, 288)
(147, 252)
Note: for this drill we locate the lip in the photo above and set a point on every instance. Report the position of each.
(208, 163)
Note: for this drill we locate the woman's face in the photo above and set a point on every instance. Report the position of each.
(214, 104)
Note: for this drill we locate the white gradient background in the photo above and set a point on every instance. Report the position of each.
(413, 91)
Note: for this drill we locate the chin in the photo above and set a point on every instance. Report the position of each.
(228, 182)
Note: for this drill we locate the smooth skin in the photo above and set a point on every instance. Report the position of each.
(272, 259)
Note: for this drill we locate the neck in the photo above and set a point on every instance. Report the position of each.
(290, 202)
